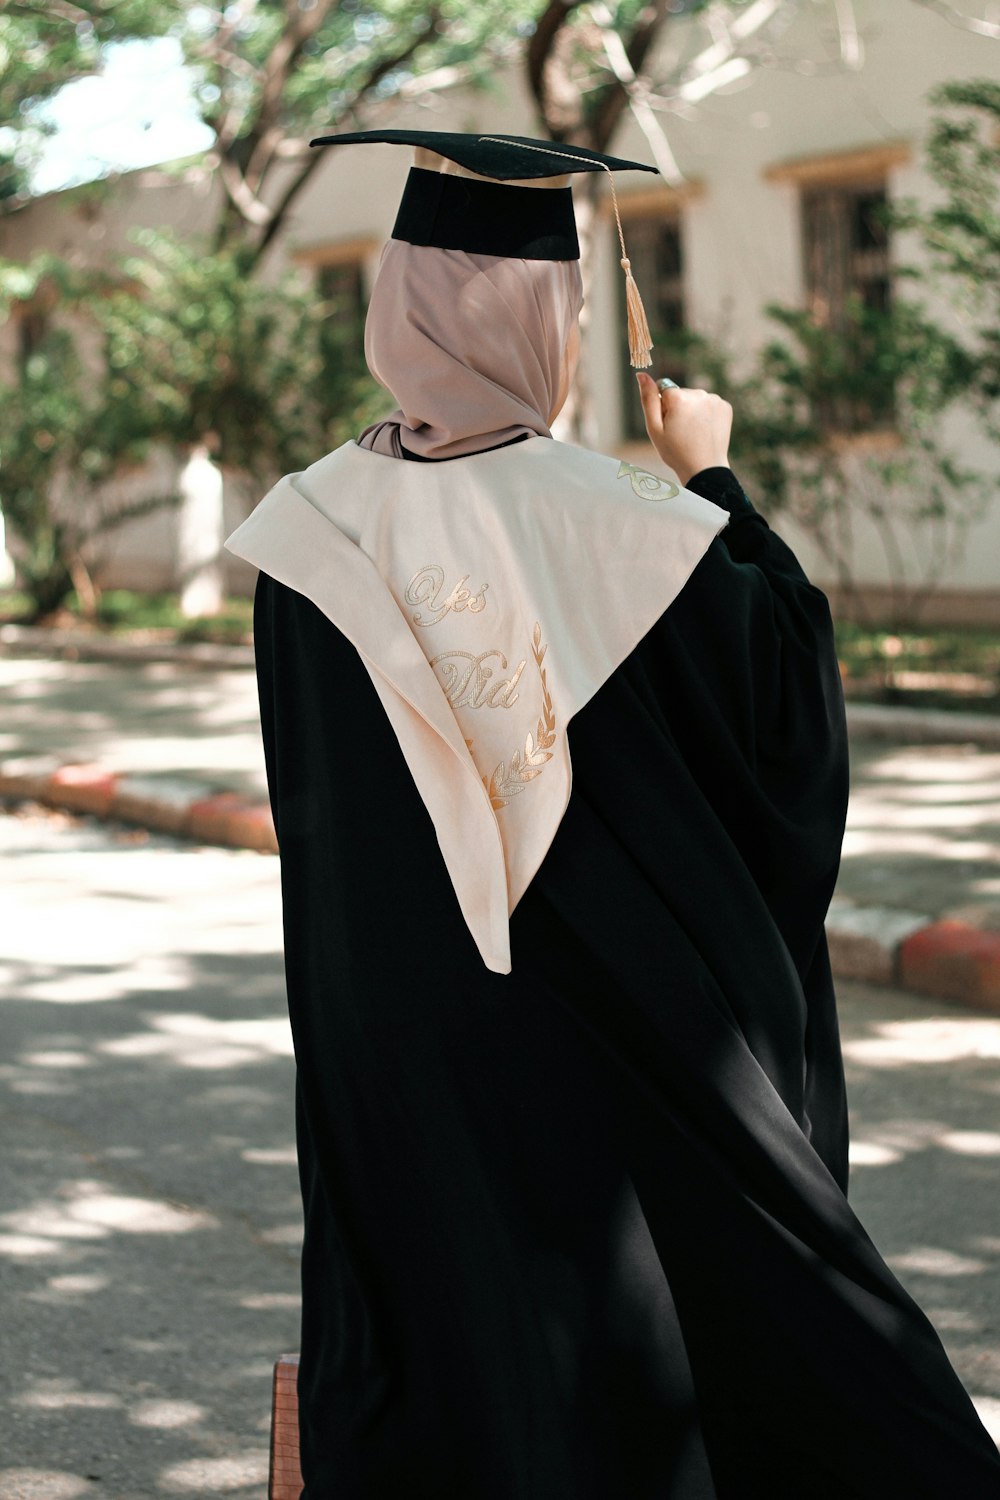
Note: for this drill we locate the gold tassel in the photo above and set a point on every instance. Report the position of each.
(640, 344)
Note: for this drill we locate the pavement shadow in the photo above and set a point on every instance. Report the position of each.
(150, 1223)
(924, 1090)
(923, 828)
(154, 719)
(150, 1217)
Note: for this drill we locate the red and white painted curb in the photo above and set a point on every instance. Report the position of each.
(944, 958)
(177, 807)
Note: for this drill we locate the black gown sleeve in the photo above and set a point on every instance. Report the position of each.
(786, 761)
(784, 785)
(743, 670)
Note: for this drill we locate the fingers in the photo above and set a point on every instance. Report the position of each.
(652, 404)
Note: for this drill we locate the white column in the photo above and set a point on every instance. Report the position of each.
(6, 561)
(200, 535)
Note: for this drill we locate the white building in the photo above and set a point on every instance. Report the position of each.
(780, 168)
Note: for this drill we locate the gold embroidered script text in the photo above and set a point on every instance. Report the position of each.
(468, 679)
(426, 587)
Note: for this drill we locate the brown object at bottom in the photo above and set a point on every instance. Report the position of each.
(285, 1479)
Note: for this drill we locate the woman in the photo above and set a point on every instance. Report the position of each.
(574, 1174)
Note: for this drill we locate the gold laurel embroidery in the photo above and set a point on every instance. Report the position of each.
(646, 485)
(511, 777)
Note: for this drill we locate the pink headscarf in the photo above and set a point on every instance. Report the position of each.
(471, 346)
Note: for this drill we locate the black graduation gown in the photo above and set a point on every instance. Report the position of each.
(580, 1231)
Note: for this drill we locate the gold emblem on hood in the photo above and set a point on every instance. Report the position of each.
(646, 485)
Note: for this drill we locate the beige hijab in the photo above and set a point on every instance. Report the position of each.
(473, 347)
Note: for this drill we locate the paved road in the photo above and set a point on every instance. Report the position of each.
(154, 719)
(149, 1218)
(923, 825)
(923, 829)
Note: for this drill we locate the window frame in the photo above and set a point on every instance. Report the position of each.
(847, 176)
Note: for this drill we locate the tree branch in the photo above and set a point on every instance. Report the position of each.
(625, 59)
(960, 19)
(638, 46)
(74, 14)
(635, 92)
(376, 73)
(246, 202)
(277, 214)
(852, 52)
(540, 52)
(301, 27)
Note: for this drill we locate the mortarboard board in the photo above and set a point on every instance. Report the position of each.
(501, 195)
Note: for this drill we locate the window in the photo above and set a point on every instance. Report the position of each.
(654, 248)
(341, 286)
(338, 271)
(848, 283)
(848, 279)
(846, 250)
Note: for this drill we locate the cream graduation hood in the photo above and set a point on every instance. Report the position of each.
(489, 597)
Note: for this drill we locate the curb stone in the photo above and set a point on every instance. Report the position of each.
(946, 958)
(78, 645)
(864, 941)
(953, 961)
(182, 808)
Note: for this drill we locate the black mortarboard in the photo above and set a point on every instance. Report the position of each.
(489, 213)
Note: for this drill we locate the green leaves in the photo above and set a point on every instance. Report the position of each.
(42, 47)
(961, 234)
(175, 345)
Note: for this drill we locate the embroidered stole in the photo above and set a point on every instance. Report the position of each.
(489, 597)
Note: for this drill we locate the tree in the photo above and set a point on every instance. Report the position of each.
(193, 344)
(52, 435)
(804, 413)
(269, 74)
(803, 436)
(961, 234)
(45, 44)
(174, 346)
(589, 64)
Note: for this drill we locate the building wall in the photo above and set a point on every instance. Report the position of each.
(741, 230)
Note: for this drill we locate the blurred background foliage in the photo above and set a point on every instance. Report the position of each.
(177, 346)
(181, 343)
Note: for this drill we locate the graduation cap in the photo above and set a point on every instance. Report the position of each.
(501, 195)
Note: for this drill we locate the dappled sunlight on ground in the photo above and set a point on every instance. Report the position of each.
(151, 719)
(988, 1408)
(933, 1040)
(150, 1223)
(42, 1484)
(202, 1042)
(89, 1211)
(923, 1082)
(923, 824)
(215, 1476)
